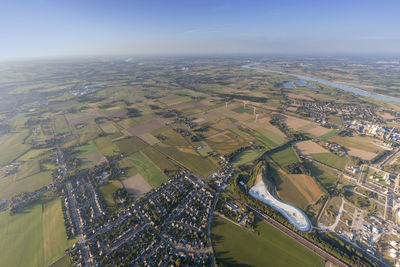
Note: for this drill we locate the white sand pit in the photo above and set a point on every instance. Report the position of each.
(293, 214)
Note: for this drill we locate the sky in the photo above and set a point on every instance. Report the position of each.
(59, 28)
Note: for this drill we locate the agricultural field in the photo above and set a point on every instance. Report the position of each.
(130, 145)
(331, 160)
(14, 144)
(89, 155)
(136, 185)
(270, 247)
(298, 189)
(150, 172)
(162, 162)
(309, 147)
(10, 187)
(43, 225)
(229, 141)
(325, 176)
(303, 125)
(359, 145)
(246, 157)
(189, 158)
(285, 156)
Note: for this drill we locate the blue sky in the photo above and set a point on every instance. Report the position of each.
(94, 27)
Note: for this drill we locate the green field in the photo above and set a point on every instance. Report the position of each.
(272, 136)
(189, 158)
(264, 139)
(35, 237)
(63, 262)
(55, 240)
(331, 159)
(10, 187)
(329, 134)
(366, 143)
(236, 246)
(326, 177)
(159, 159)
(285, 156)
(241, 110)
(108, 190)
(246, 156)
(87, 148)
(106, 147)
(32, 153)
(13, 144)
(130, 145)
(153, 175)
(204, 151)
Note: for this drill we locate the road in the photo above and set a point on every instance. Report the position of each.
(73, 202)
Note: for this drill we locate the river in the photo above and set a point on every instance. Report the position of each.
(325, 82)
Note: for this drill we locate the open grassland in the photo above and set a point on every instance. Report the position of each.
(35, 237)
(331, 159)
(12, 146)
(108, 190)
(238, 246)
(130, 145)
(246, 157)
(285, 156)
(153, 175)
(10, 187)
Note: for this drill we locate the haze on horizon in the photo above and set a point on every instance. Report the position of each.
(47, 28)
